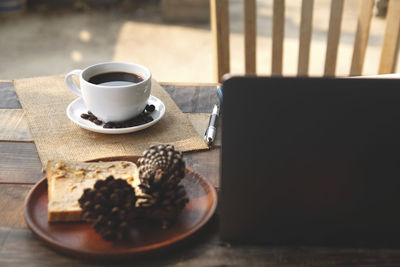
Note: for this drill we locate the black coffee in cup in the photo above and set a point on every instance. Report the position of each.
(115, 78)
(114, 91)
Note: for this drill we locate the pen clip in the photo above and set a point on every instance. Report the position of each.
(220, 99)
(219, 91)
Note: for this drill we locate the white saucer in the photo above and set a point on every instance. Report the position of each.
(77, 107)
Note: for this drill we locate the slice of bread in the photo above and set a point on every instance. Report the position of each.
(67, 180)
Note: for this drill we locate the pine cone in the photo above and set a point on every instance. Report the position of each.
(109, 206)
(161, 164)
(160, 170)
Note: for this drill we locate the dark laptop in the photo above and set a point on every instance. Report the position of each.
(311, 161)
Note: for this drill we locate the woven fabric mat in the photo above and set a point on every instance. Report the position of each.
(45, 100)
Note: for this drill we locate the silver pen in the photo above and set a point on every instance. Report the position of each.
(211, 131)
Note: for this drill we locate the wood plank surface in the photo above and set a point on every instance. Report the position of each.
(335, 22)
(307, 7)
(361, 38)
(220, 29)
(250, 35)
(19, 163)
(21, 248)
(8, 97)
(12, 204)
(206, 163)
(14, 126)
(193, 99)
(389, 52)
(278, 33)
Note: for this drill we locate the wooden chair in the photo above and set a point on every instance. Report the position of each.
(220, 29)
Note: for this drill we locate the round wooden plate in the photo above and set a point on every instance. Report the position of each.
(80, 240)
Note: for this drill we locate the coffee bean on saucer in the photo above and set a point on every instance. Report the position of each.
(89, 112)
(98, 122)
(108, 125)
(150, 108)
(141, 119)
(84, 116)
(92, 118)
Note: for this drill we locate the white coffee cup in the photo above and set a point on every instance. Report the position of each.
(116, 100)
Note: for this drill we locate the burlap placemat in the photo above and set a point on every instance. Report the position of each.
(45, 100)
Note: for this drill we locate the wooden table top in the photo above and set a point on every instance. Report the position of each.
(20, 169)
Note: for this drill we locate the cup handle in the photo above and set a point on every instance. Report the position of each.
(70, 84)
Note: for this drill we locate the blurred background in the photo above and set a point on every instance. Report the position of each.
(171, 37)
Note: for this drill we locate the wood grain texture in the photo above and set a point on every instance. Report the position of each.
(220, 29)
(335, 22)
(8, 98)
(14, 126)
(19, 163)
(21, 248)
(389, 52)
(206, 163)
(250, 35)
(193, 99)
(12, 204)
(361, 38)
(278, 33)
(307, 7)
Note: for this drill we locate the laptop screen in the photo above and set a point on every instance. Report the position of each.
(310, 161)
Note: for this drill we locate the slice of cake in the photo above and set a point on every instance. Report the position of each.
(67, 180)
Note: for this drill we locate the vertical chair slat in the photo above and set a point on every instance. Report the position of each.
(391, 37)
(278, 32)
(250, 35)
(361, 39)
(305, 36)
(335, 22)
(220, 28)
